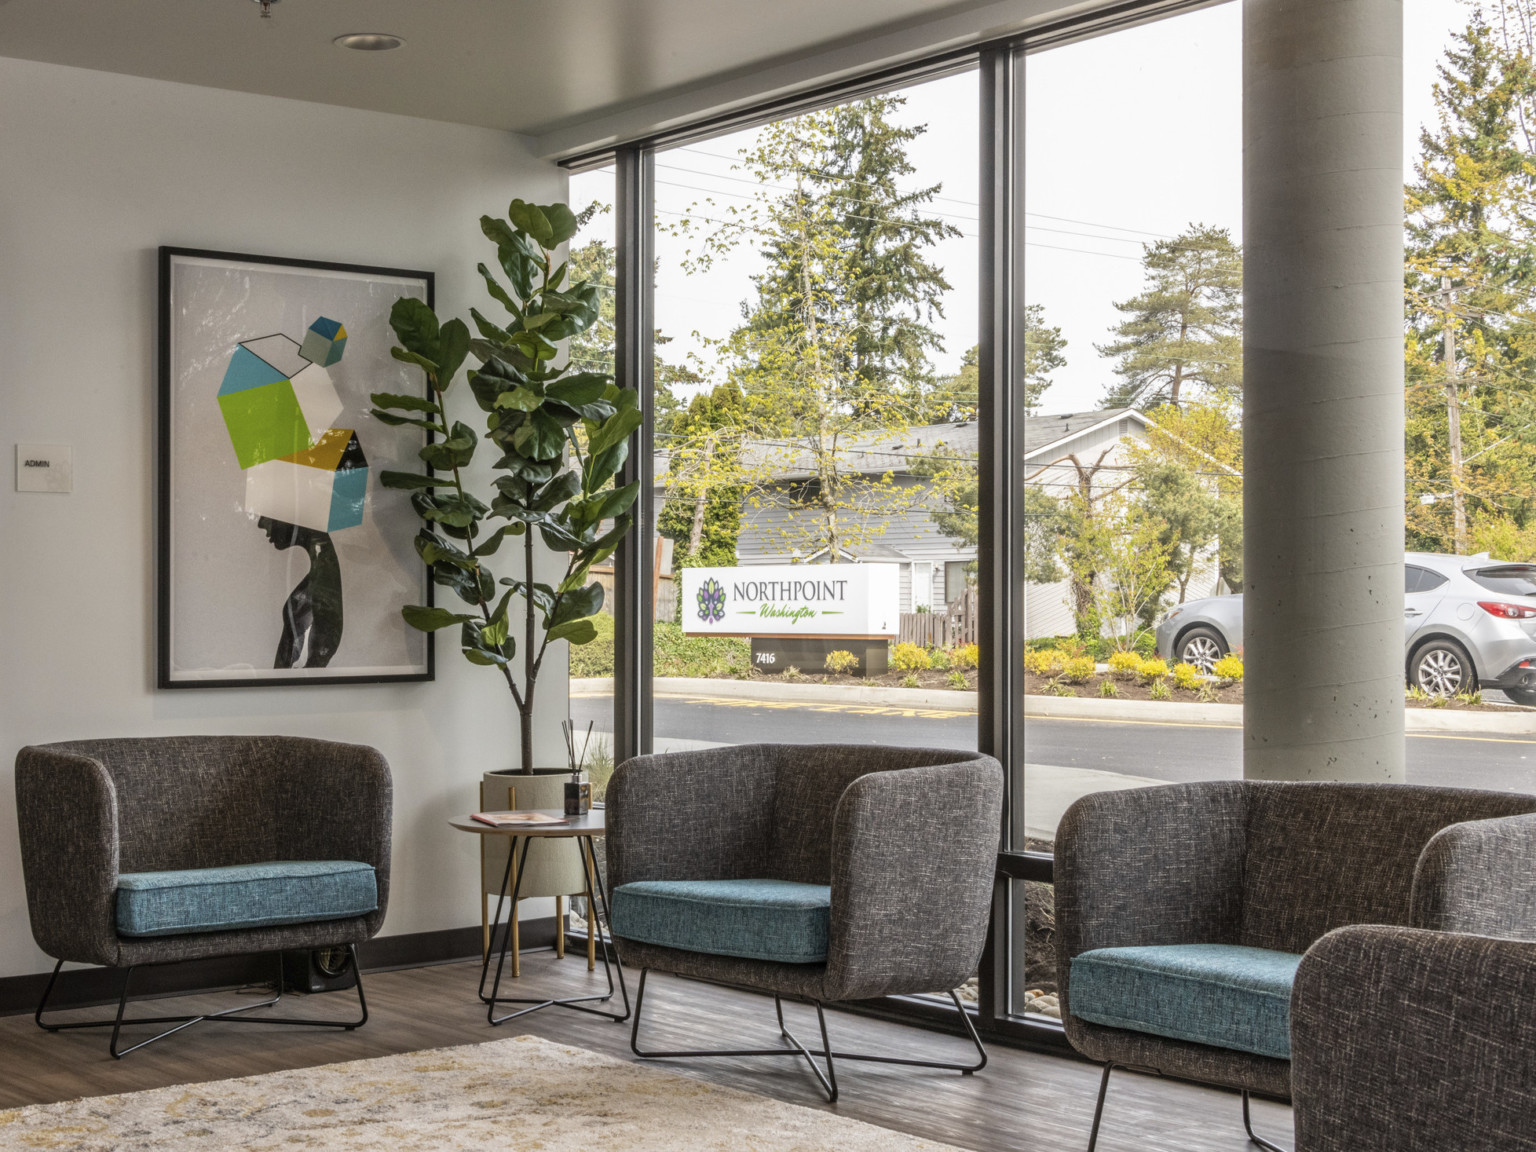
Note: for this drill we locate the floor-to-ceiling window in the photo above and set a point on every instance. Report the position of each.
(808, 321)
(1131, 378)
(812, 529)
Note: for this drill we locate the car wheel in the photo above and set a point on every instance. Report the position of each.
(1525, 696)
(1201, 647)
(1442, 668)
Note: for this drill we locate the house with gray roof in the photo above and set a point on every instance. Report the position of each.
(1062, 452)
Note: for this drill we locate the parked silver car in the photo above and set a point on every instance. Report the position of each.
(1469, 621)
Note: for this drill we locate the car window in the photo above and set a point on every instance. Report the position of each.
(1421, 579)
(1510, 579)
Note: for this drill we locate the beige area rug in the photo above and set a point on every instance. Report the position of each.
(522, 1093)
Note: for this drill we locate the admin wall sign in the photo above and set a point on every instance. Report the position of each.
(852, 600)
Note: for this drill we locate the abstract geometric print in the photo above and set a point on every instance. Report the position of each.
(278, 403)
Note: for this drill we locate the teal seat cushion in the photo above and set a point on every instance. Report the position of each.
(243, 896)
(1224, 995)
(756, 919)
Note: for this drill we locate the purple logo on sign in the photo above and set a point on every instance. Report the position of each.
(711, 598)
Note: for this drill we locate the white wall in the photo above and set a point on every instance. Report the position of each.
(96, 171)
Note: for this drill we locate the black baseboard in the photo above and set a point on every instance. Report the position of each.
(86, 987)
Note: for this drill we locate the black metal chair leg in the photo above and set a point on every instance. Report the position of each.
(828, 1079)
(1098, 1109)
(228, 1015)
(1257, 1139)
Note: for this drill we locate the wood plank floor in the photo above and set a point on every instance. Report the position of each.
(1022, 1100)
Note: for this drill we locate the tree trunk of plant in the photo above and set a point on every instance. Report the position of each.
(530, 671)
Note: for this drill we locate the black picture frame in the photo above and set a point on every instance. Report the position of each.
(169, 675)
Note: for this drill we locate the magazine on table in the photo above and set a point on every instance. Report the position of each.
(519, 819)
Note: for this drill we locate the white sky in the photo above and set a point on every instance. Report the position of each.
(1130, 137)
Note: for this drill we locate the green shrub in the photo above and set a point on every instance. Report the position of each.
(938, 659)
(1146, 644)
(1108, 689)
(841, 661)
(957, 681)
(965, 656)
(678, 654)
(595, 658)
(1161, 691)
(599, 766)
(1187, 677)
(1229, 668)
(1078, 669)
(1124, 665)
(909, 680)
(1044, 662)
(909, 658)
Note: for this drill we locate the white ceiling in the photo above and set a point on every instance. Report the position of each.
(529, 66)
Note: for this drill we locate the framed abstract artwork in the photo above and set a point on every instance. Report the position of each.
(282, 559)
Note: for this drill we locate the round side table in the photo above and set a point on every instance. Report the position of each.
(585, 829)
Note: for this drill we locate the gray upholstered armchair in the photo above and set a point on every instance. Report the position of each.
(1182, 912)
(154, 850)
(814, 872)
(1404, 1040)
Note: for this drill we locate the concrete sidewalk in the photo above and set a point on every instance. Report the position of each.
(1514, 722)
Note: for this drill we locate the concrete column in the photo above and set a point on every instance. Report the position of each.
(1323, 389)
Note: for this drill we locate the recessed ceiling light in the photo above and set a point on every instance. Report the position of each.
(369, 41)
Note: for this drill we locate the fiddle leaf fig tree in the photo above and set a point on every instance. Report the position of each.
(562, 436)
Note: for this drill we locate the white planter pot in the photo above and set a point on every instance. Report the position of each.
(554, 865)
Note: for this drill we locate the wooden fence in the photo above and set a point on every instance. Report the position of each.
(947, 629)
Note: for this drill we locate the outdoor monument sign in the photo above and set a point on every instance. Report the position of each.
(796, 613)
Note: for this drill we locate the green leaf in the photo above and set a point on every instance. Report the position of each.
(395, 421)
(606, 464)
(411, 358)
(579, 603)
(453, 347)
(494, 634)
(416, 326)
(498, 293)
(557, 491)
(557, 277)
(410, 403)
(491, 543)
(578, 389)
(531, 219)
(519, 398)
(577, 632)
(494, 333)
(541, 437)
(616, 502)
(615, 429)
(412, 480)
(431, 619)
(562, 223)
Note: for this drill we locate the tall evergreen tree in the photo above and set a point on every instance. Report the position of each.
(1184, 331)
(851, 160)
(1471, 276)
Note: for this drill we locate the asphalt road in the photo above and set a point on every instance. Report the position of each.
(1162, 751)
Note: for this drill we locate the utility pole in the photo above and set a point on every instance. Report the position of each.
(1453, 424)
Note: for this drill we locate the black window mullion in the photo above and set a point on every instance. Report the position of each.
(1000, 699)
(633, 563)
